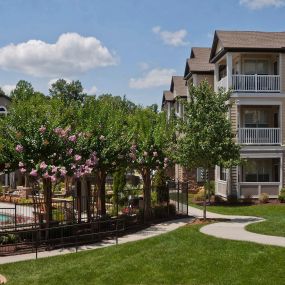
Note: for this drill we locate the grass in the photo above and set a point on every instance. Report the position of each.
(273, 213)
(184, 256)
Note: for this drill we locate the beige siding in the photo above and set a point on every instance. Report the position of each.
(207, 77)
(4, 102)
(282, 69)
(234, 181)
(283, 122)
(233, 117)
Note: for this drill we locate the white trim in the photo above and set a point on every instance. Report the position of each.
(253, 101)
(261, 155)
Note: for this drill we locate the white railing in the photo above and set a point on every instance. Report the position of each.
(256, 83)
(267, 136)
(254, 189)
(222, 83)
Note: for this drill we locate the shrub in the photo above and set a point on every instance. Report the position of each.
(163, 211)
(248, 199)
(200, 195)
(9, 239)
(263, 198)
(281, 196)
(232, 199)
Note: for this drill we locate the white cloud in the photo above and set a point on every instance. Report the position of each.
(8, 88)
(259, 4)
(71, 54)
(92, 91)
(171, 38)
(153, 78)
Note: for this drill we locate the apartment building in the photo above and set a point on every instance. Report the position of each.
(197, 69)
(5, 101)
(252, 65)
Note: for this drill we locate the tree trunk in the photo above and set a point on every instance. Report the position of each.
(146, 193)
(205, 193)
(47, 200)
(101, 199)
(78, 201)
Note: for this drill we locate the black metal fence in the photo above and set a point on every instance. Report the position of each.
(74, 235)
(77, 220)
(178, 195)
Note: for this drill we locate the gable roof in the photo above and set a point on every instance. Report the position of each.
(168, 95)
(6, 97)
(178, 86)
(199, 61)
(246, 41)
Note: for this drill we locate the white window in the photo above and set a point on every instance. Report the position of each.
(200, 173)
(223, 173)
(256, 118)
(3, 110)
(254, 66)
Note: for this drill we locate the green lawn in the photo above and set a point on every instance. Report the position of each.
(273, 213)
(184, 256)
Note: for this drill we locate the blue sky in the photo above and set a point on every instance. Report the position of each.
(123, 47)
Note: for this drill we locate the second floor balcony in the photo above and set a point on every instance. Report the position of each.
(247, 72)
(259, 125)
(252, 83)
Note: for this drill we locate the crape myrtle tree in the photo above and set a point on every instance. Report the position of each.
(105, 120)
(151, 135)
(42, 146)
(206, 138)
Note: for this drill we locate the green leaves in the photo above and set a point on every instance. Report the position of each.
(206, 137)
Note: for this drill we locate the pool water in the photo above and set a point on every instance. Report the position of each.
(4, 218)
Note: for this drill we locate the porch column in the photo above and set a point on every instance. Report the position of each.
(280, 71)
(216, 77)
(229, 69)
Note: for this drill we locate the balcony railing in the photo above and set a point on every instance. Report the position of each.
(256, 83)
(222, 83)
(259, 136)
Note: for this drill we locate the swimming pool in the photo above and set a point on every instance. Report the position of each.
(4, 218)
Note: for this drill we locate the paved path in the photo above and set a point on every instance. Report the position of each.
(144, 234)
(234, 229)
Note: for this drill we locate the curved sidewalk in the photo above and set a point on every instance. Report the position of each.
(234, 229)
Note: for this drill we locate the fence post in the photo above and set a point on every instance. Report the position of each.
(15, 213)
(178, 195)
(187, 196)
(117, 231)
(37, 232)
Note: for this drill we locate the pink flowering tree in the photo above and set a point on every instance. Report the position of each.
(43, 150)
(105, 120)
(152, 139)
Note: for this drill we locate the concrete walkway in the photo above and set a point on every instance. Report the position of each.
(234, 229)
(143, 234)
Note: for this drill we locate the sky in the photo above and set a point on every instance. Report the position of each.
(122, 47)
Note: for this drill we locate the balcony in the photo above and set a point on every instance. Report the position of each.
(251, 83)
(256, 83)
(259, 136)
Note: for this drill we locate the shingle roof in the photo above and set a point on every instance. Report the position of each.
(168, 96)
(248, 40)
(6, 97)
(199, 61)
(238, 39)
(178, 87)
